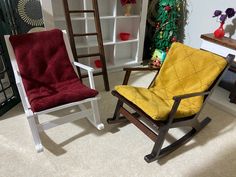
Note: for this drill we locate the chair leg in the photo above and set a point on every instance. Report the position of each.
(157, 146)
(95, 118)
(116, 116)
(35, 132)
(157, 152)
(200, 125)
(232, 95)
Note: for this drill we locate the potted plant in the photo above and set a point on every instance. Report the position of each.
(128, 6)
(229, 12)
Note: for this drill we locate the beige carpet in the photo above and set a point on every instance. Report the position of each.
(79, 150)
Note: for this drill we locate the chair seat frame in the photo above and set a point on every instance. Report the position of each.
(92, 113)
(158, 130)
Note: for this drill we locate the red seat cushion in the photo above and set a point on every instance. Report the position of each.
(47, 74)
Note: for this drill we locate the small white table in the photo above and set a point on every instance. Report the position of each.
(223, 47)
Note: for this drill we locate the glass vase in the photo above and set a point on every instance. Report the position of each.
(128, 8)
(220, 32)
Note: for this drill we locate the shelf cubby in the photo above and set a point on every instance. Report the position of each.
(106, 7)
(107, 27)
(127, 25)
(109, 54)
(125, 53)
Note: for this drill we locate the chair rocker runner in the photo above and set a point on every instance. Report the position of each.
(47, 80)
(174, 98)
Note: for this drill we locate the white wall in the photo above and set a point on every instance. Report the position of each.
(200, 21)
(47, 14)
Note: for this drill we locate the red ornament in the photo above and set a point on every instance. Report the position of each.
(158, 25)
(219, 33)
(174, 39)
(156, 62)
(167, 8)
(98, 63)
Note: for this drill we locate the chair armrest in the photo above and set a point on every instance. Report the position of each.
(177, 100)
(85, 67)
(180, 97)
(130, 69)
(140, 69)
(90, 73)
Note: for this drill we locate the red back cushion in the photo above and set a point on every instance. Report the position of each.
(42, 58)
(47, 74)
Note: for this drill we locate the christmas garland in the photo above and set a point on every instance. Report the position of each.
(164, 15)
(168, 13)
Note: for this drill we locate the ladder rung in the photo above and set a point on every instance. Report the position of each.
(85, 34)
(88, 55)
(81, 11)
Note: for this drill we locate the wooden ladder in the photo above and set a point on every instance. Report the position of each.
(98, 33)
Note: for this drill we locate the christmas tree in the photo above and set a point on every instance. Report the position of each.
(166, 21)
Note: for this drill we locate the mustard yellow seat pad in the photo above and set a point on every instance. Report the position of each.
(185, 70)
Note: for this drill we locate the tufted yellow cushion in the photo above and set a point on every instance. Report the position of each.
(185, 70)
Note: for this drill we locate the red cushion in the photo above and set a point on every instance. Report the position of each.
(48, 76)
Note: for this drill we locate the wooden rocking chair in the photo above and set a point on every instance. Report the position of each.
(174, 98)
(47, 80)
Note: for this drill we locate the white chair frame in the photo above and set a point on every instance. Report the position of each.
(92, 114)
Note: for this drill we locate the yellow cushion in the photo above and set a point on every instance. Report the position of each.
(185, 70)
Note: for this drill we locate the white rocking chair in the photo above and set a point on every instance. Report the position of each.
(32, 116)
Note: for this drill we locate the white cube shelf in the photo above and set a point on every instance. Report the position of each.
(118, 53)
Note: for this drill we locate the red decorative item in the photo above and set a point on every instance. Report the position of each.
(173, 39)
(167, 8)
(124, 36)
(156, 63)
(124, 2)
(98, 63)
(220, 32)
(158, 25)
(167, 49)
